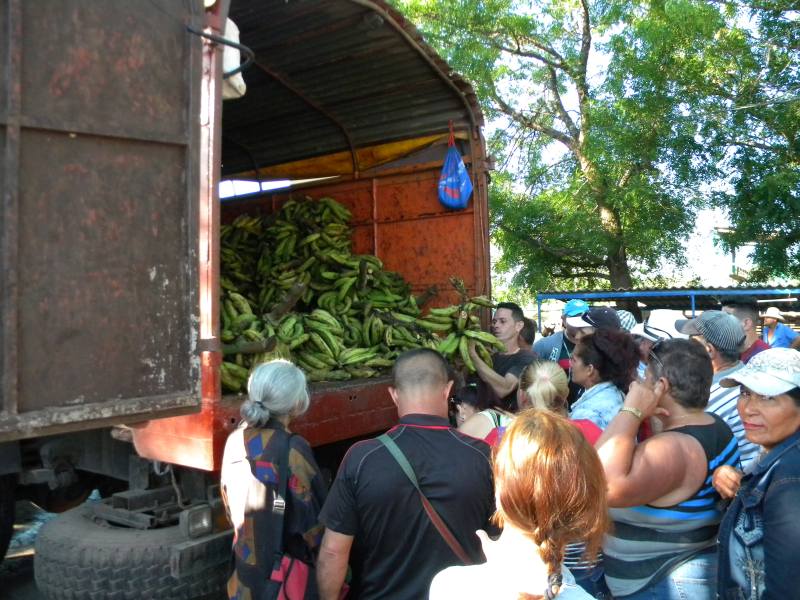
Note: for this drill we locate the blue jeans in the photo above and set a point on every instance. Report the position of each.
(696, 579)
(592, 582)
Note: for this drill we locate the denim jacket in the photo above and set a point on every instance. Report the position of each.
(599, 404)
(759, 538)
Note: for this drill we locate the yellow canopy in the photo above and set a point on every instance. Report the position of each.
(341, 163)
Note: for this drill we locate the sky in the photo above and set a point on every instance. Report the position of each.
(705, 259)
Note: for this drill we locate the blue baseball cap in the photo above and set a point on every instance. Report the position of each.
(575, 308)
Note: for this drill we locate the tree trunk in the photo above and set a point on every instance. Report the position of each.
(620, 274)
(620, 278)
(617, 261)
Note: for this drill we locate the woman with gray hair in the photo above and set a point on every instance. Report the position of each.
(259, 455)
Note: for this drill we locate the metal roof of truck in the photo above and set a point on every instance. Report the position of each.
(332, 76)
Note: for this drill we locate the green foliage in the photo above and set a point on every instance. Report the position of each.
(757, 118)
(587, 192)
(617, 115)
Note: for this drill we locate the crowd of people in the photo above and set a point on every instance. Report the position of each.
(612, 459)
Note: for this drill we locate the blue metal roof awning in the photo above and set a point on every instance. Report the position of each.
(681, 298)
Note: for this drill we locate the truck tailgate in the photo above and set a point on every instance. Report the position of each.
(99, 224)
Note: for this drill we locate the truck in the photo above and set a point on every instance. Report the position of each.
(115, 140)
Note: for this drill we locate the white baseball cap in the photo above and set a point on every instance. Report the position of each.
(660, 325)
(770, 373)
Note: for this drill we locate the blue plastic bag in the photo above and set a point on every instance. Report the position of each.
(455, 186)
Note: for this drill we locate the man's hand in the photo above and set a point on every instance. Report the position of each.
(644, 399)
(501, 385)
(726, 480)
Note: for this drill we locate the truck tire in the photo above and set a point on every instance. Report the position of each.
(78, 558)
(8, 485)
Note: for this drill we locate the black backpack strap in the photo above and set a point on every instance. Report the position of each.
(279, 502)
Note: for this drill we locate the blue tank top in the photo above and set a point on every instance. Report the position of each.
(649, 541)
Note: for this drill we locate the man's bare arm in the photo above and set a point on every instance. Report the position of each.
(334, 554)
(501, 385)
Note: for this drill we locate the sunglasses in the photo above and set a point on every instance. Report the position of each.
(653, 356)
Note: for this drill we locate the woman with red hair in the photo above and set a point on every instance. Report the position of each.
(543, 503)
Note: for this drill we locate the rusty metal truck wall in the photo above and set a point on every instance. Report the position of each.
(99, 225)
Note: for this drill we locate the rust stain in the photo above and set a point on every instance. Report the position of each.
(72, 73)
(132, 59)
(75, 169)
(91, 218)
(116, 288)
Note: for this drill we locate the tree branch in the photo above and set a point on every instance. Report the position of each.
(586, 35)
(555, 134)
(543, 46)
(518, 51)
(559, 253)
(580, 76)
(632, 171)
(559, 105)
(586, 274)
(541, 172)
(626, 177)
(758, 146)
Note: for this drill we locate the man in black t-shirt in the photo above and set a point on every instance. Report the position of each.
(502, 377)
(374, 517)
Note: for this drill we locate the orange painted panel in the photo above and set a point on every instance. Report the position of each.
(362, 239)
(430, 251)
(405, 197)
(338, 411)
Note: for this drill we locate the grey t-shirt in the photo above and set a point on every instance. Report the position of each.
(546, 346)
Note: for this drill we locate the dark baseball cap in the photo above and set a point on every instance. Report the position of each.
(599, 317)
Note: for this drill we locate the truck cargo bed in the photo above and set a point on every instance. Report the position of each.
(339, 410)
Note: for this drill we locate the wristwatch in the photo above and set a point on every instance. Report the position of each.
(633, 410)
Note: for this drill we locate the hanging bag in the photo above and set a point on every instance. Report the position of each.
(455, 186)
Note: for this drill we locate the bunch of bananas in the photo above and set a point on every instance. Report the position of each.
(241, 245)
(457, 326)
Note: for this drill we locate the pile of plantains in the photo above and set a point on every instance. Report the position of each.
(292, 288)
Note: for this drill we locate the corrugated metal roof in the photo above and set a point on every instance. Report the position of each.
(684, 298)
(332, 75)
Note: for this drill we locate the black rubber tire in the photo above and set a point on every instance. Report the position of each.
(8, 488)
(78, 558)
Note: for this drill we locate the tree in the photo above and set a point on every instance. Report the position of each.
(597, 185)
(753, 111)
(649, 103)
